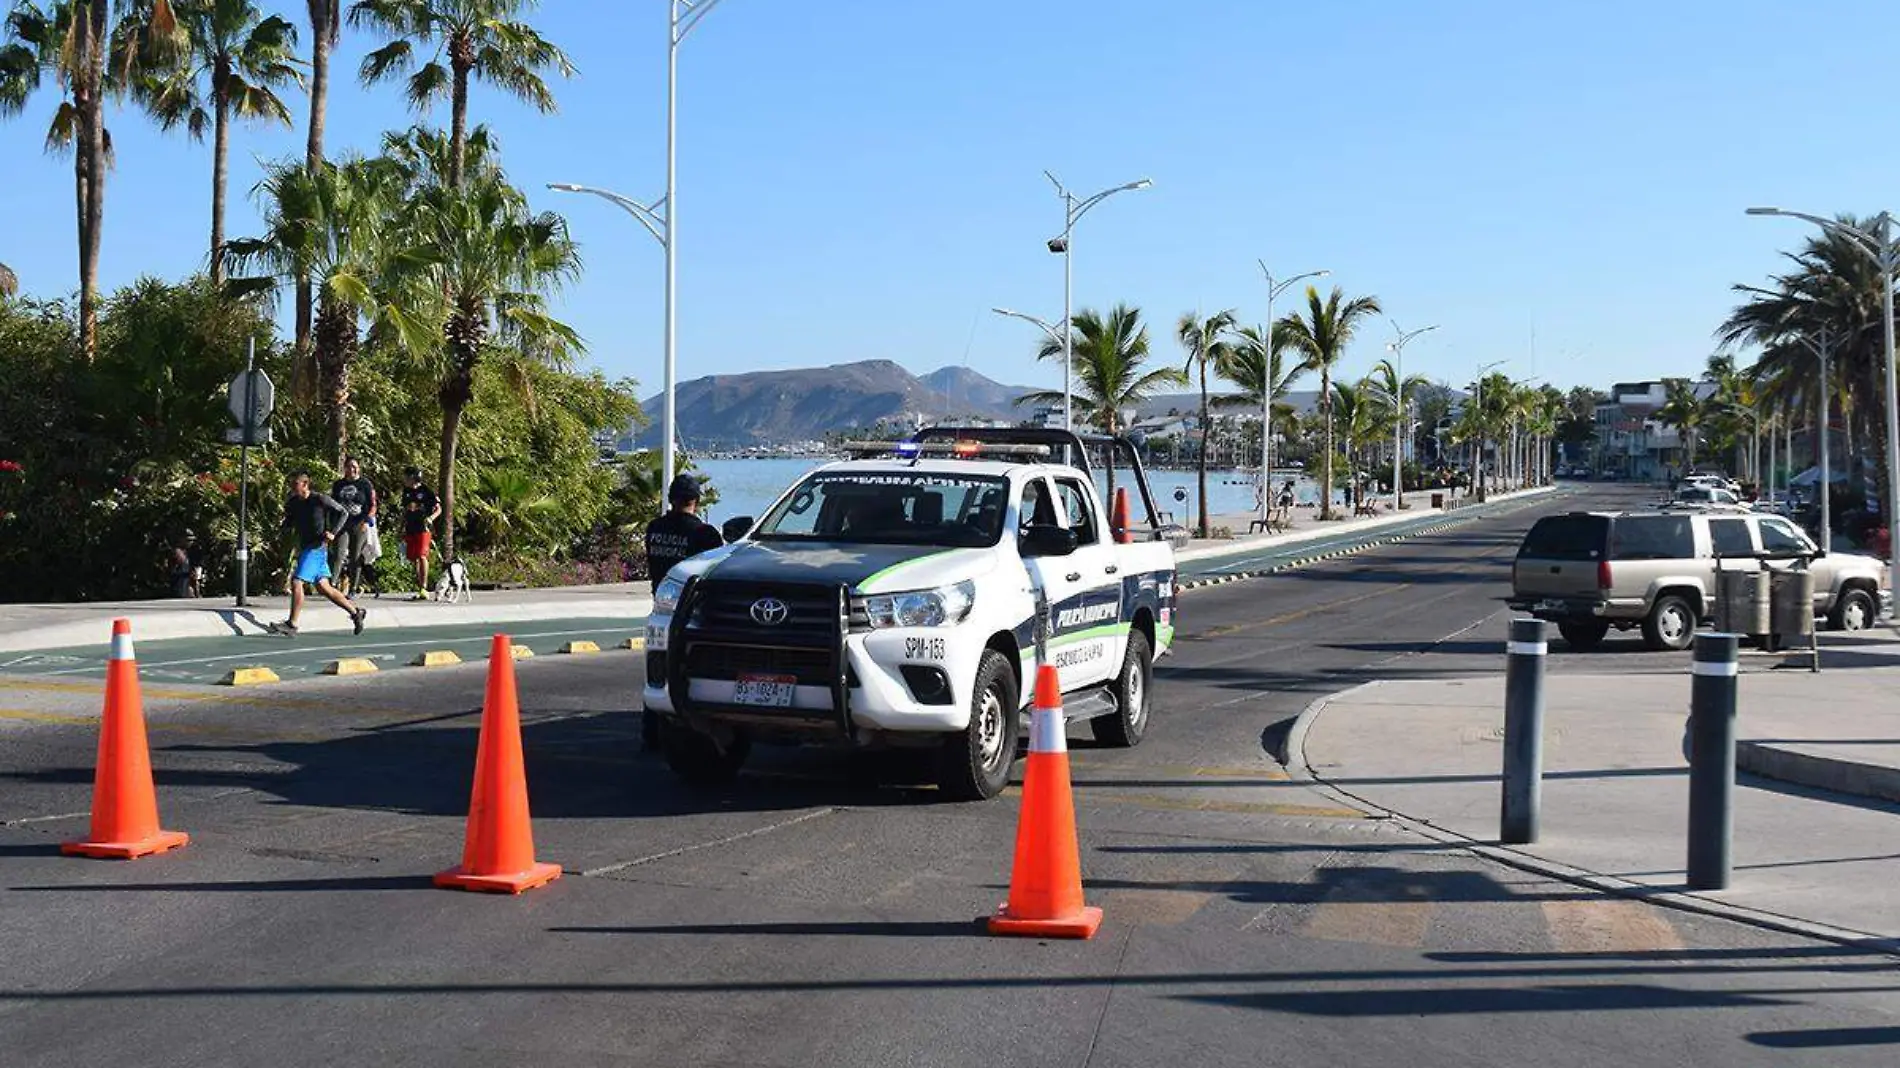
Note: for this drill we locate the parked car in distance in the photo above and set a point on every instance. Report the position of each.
(1589, 572)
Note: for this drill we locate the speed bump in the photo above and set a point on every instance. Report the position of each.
(580, 646)
(350, 665)
(522, 652)
(634, 643)
(435, 658)
(248, 676)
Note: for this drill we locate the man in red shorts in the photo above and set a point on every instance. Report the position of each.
(420, 509)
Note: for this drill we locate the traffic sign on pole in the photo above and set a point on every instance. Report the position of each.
(262, 395)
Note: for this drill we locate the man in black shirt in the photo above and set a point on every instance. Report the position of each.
(316, 518)
(671, 538)
(680, 533)
(358, 497)
(420, 507)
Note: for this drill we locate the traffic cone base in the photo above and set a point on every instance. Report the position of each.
(1083, 924)
(160, 842)
(458, 878)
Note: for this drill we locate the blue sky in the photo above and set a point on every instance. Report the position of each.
(1558, 184)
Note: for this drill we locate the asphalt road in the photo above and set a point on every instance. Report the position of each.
(821, 910)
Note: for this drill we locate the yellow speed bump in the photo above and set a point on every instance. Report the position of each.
(580, 646)
(350, 665)
(634, 643)
(248, 676)
(435, 658)
(522, 652)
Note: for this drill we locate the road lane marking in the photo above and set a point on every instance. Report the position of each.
(1156, 907)
(1608, 925)
(300, 650)
(609, 869)
(1289, 617)
(1357, 912)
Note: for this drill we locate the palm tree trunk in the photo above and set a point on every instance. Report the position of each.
(1326, 456)
(88, 96)
(321, 29)
(1207, 438)
(220, 160)
(455, 396)
(458, 121)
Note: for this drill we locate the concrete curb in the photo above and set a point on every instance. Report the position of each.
(1294, 760)
(1823, 773)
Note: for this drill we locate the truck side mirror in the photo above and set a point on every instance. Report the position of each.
(1044, 539)
(735, 528)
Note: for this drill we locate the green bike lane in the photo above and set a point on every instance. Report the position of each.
(205, 661)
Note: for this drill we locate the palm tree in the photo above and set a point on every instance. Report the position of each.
(1683, 410)
(225, 61)
(480, 264)
(66, 42)
(1207, 346)
(334, 226)
(326, 25)
(1397, 396)
(1362, 417)
(1321, 337)
(1261, 375)
(9, 282)
(479, 38)
(1109, 352)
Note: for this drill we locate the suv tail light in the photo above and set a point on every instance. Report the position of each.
(1603, 574)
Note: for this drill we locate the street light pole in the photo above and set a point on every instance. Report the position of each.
(1885, 252)
(1060, 337)
(1274, 289)
(1399, 409)
(1072, 211)
(1478, 402)
(1822, 348)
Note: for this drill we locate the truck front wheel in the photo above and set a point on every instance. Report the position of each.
(1125, 726)
(974, 764)
(701, 759)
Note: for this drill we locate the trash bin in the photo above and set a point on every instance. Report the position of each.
(1742, 604)
(1793, 593)
(1438, 500)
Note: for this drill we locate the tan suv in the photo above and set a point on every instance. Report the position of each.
(1590, 571)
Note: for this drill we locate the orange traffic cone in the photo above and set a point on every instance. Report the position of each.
(1045, 884)
(1118, 517)
(498, 852)
(124, 804)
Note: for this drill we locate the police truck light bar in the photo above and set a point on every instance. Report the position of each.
(962, 450)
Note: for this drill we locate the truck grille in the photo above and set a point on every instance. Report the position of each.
(710, 660)
(728, 606)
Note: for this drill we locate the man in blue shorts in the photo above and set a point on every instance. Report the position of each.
(317, 518)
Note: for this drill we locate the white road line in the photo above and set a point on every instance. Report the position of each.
(728, 840)
(24, 820)
(295, 650)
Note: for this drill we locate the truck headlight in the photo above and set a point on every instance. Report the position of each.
(941, 607)
(667, 597)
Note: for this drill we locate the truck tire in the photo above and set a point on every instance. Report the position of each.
(1133, 691)
(1856, 611)
(974, 764)
(1584, 636)
(1670, 625)
(700, 759)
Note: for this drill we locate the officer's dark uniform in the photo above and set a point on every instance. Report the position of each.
(678, 535)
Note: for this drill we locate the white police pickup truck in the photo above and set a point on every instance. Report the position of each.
(900, 601)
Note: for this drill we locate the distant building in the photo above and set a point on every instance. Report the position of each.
(1631, 441)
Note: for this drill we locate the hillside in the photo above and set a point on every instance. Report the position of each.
(804, 404)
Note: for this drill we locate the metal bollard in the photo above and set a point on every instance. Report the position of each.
(1523, 731)
(1712, 759)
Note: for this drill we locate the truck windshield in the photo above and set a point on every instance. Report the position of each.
(891, 508)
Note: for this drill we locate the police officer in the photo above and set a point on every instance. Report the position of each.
(673, 537)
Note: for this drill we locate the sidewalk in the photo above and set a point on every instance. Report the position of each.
(1615, 792)
(1306, 524)
(26, 627)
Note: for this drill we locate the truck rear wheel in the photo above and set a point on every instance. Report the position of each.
(974, 764)
(1583, 636)
(701, 759)
(1125, 726)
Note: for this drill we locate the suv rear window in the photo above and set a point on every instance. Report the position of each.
(1566, 537)
(1653, 537)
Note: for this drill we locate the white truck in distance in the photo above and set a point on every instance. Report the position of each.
(896, 600)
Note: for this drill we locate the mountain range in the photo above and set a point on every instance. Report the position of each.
(805, 404)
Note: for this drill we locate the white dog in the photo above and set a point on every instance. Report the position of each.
(453, 585)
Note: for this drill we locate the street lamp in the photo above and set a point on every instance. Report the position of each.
(1478, 402)
(1885, 252)
(661, 218)
(1044, 325)
(1823, 349)
(1073, 210)
(1274, 289)
(1399, 409)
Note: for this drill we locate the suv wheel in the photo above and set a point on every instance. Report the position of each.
(1583, 637)
(1125, 726)
(701, 759)
(974, 764)
(1856, 611)
(1671, 623)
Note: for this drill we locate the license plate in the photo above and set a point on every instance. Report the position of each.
(1550, 606)
(766, 691)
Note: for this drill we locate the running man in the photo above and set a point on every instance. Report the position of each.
(316, 517)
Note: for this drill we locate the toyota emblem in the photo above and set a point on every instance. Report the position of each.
(769, 611)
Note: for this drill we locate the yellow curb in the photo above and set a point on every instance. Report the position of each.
(581, 646)
(522, 652)
(634, 643)
(248, 676)
(350, 665)
(435, 658)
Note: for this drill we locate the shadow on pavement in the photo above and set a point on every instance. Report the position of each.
(883, 929)
(1827, 1037)
(367, 882)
